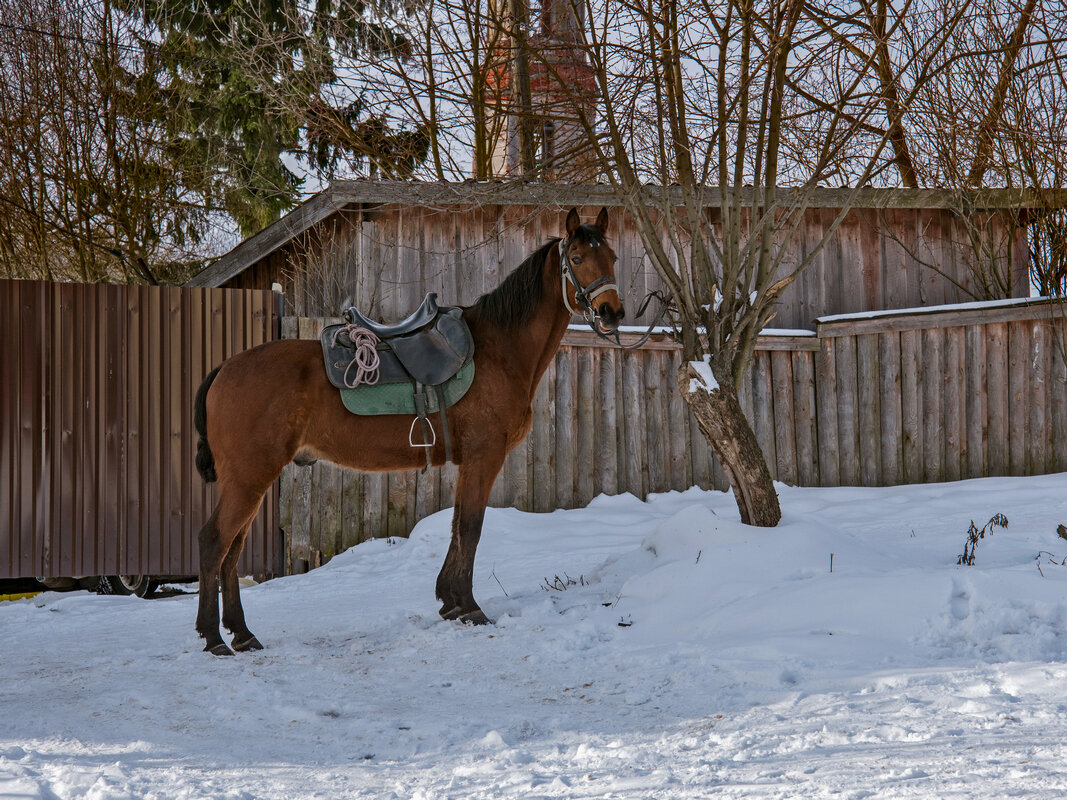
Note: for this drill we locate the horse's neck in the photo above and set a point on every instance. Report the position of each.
(536, 344)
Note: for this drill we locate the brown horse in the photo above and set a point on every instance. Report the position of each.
(273, 404)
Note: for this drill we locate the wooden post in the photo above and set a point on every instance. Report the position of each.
(911, 440)
(588, 369)
(785, 426)
(932, 419)
(1058, 394)
(635, 470)
(826, 399)
(609, 426)
(997, 428)
(657, 425)
(890, 409)
(977, 409)
(758, 406)
(805, 418)
(869, 409)
(848, 411)
(351, 508)
(954, 399)
(567, 457)
(681, 462)
(1018, 395)
(1039, 422)
(543, 478)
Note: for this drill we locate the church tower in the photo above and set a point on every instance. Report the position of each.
(551, 70)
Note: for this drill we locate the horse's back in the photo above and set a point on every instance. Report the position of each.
(279, 391)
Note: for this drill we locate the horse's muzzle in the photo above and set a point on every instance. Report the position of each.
(609, 318)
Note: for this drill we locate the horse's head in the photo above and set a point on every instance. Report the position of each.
(587, 263)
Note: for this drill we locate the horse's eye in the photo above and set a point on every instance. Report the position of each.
(614, 259)
(576, 260)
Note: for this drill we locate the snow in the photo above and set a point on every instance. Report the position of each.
(895, 312)
(705, 377)
(786, 332)
(653, 649)
(700, 329)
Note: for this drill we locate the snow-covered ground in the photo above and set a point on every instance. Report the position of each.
(655, 649)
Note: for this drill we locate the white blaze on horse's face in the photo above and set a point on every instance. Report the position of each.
(591, 261)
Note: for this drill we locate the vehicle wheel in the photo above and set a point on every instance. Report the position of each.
(145, 587)
(140, 585)
(58, 584)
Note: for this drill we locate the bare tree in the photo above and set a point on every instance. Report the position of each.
(989, 115)
(721, 120)
(716, 123)
(85, 189)
(1033, 140)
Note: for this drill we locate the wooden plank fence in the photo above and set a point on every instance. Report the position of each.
(873, 399)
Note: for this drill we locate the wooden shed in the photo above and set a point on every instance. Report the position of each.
(382, 245)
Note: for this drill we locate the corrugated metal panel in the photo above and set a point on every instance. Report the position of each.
(97, 443)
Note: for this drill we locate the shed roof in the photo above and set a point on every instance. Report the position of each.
(353, 193)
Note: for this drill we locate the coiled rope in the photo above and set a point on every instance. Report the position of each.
(365, 359)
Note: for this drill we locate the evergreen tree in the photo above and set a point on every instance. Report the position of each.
(246, 82)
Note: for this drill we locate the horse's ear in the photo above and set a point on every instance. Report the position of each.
(602, 220)
(573, 221)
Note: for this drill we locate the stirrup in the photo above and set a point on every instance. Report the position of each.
(411, 433)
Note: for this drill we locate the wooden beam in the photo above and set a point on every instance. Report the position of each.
(266, 241)
(576, 337)
(941, 317)
(563, 196)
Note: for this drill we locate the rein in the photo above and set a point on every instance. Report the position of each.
(586, 294)
(665, 303)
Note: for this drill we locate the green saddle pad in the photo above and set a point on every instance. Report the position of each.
(399, 398)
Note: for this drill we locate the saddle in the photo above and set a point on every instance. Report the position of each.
(425, 364)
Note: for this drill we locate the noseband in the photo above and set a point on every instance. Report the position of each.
(585, 295)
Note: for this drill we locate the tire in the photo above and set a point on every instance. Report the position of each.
(59, 584)
(140, 585)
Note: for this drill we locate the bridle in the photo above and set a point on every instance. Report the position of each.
(585, 295)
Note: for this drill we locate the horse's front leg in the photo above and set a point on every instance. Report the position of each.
(455, 587)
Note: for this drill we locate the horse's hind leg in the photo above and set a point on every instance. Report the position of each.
(223, 533)
(233, 615)
(207, 617)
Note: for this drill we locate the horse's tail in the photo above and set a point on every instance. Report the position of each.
(205, 459)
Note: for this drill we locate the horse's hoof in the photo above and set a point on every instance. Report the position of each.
(476, 617)
(219, 649)
(251, 643)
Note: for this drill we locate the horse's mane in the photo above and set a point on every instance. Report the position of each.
(512, 302)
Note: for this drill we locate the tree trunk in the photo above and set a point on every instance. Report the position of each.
(723, 423)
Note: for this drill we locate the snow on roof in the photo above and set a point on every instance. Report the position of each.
(1017, 302)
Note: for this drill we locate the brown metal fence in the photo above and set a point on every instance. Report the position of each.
(97, 442)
